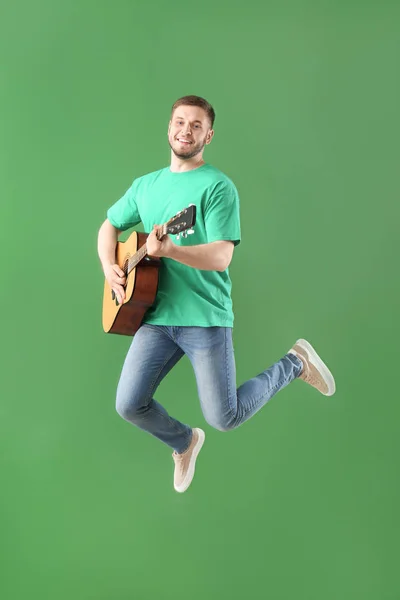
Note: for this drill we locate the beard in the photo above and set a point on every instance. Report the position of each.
(190, 151)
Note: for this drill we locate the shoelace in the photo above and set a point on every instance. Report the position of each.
(308, 377)
(179, 464)
(312, 380)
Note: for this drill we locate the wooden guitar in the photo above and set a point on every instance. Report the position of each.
(141, 272)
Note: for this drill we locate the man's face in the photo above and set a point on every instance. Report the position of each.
(189, 131)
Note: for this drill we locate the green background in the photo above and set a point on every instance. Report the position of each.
(301, 501)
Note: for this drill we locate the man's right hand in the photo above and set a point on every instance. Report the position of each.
(116, 280)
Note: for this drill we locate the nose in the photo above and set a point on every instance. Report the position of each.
(186, 129)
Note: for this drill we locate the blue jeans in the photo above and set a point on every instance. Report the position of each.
(156, 349)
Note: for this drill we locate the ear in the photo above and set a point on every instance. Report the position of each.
(210, 136)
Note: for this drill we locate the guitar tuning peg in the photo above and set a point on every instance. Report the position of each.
(184, 234)
(190, 231)
(178, 235)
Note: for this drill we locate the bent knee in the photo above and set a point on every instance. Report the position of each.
(221, 423)
(127, 408)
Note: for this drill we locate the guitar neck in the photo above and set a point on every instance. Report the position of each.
(136, 258)
(181, 222)
(142, 252)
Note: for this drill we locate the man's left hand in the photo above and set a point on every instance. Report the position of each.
(158, 248)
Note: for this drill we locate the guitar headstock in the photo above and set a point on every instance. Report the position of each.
(183, 221)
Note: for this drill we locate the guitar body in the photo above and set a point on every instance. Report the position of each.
(140, 292)
(141, 273)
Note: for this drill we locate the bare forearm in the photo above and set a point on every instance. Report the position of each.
(106, 243)
(206, 257)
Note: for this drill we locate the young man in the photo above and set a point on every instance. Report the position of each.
(192, 313)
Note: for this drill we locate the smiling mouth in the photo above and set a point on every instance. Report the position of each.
(184, 141)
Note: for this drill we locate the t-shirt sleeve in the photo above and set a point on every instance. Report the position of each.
(124, 213)
(222, 214)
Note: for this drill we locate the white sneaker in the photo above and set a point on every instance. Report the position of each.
(185, 463)
(315, 371)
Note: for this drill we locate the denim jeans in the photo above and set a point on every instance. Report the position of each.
(156, 349)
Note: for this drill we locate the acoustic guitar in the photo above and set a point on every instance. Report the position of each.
(141, 272)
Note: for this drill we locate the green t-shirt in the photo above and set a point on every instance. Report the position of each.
(186, 296)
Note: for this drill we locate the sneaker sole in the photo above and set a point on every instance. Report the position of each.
(320, 365)
(192, 465)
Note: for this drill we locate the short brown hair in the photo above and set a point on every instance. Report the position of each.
(196, 101)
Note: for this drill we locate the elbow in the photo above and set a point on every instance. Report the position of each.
(228, 254)
(223, 264)
(226, 258)
(224, 255)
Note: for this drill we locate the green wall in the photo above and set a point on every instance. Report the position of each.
(302, 501)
